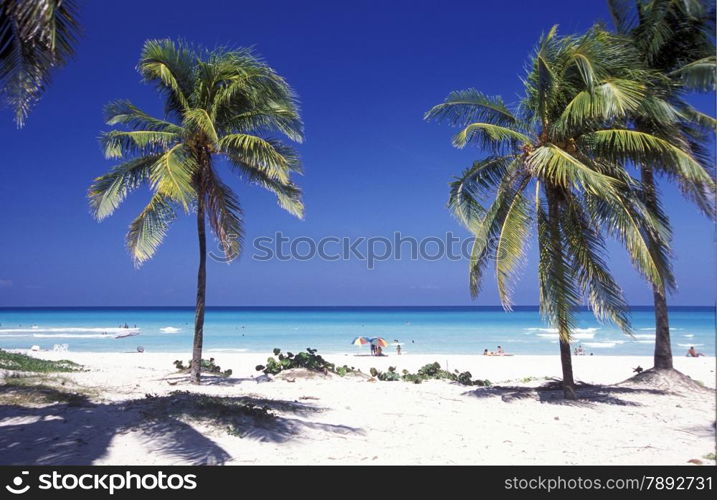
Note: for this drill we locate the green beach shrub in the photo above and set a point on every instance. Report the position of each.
(24, 363)
(431, 371)
(389, 376)
(208, 366)
(308, 360)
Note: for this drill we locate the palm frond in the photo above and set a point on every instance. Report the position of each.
(463, 107)
(698, 75)
(109, 190)
(470, 188)
(120, 143)
(148, 230)
(172, 175)
(559, 295)
(637, 146)
(642, 235)
(624, 15)
(612, 99)
(257, 153)
(123, 112)
(511, 244)
(198, 120)
(36, 37)
(489, 136)
(557, 167)
(171, 67)
(586, 248)
(487, 229)
(225, 215)
(288, 194)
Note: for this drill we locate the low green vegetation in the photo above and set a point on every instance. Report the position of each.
(208, 366)
(710, 456)
(308, 360)
(233, 414)
(431, 371)
(312, 361)
(33, 391)
(24, 363)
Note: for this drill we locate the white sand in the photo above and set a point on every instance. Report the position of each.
(353, 421)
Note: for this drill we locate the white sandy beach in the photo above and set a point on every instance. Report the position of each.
(353, 421)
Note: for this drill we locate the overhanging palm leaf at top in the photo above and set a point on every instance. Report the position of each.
(221, 107)
(558, 161)
(36, 36)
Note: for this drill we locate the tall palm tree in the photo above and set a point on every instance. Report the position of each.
(556, 164)
(676, 39)
(36, 36)
(221, 106)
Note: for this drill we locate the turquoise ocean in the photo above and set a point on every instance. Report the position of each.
(429, 330)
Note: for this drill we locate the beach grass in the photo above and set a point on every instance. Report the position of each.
(233, 414)
(24, 363)
(32, 391)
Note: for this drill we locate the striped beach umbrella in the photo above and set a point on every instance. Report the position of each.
(379, 341)
(359, 341)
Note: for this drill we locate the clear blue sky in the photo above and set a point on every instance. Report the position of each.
(365, 73)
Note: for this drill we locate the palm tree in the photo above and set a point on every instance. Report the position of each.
(220, 108)
(556, 163)
(36, 36)
(676, 39)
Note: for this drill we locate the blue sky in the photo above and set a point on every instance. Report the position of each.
(365, 73)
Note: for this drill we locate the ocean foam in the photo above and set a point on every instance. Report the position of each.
(574, 336)
(68, 330)
(602, 345)
(67, 336)
(169, 329)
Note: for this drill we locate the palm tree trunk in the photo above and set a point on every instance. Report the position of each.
(663, 348)
(566, 360)
(195, 375)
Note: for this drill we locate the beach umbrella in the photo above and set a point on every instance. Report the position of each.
(379, 341)
(359, 341)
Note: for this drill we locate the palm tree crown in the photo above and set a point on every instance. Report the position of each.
(220, 105)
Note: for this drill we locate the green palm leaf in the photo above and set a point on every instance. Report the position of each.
(36, 37)
(490, 136)
(555, 166)
(148, 230)
(463, 107)
(108, 191)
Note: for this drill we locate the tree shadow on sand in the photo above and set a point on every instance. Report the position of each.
(589, 395)
(73, 430)
(208, 380)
